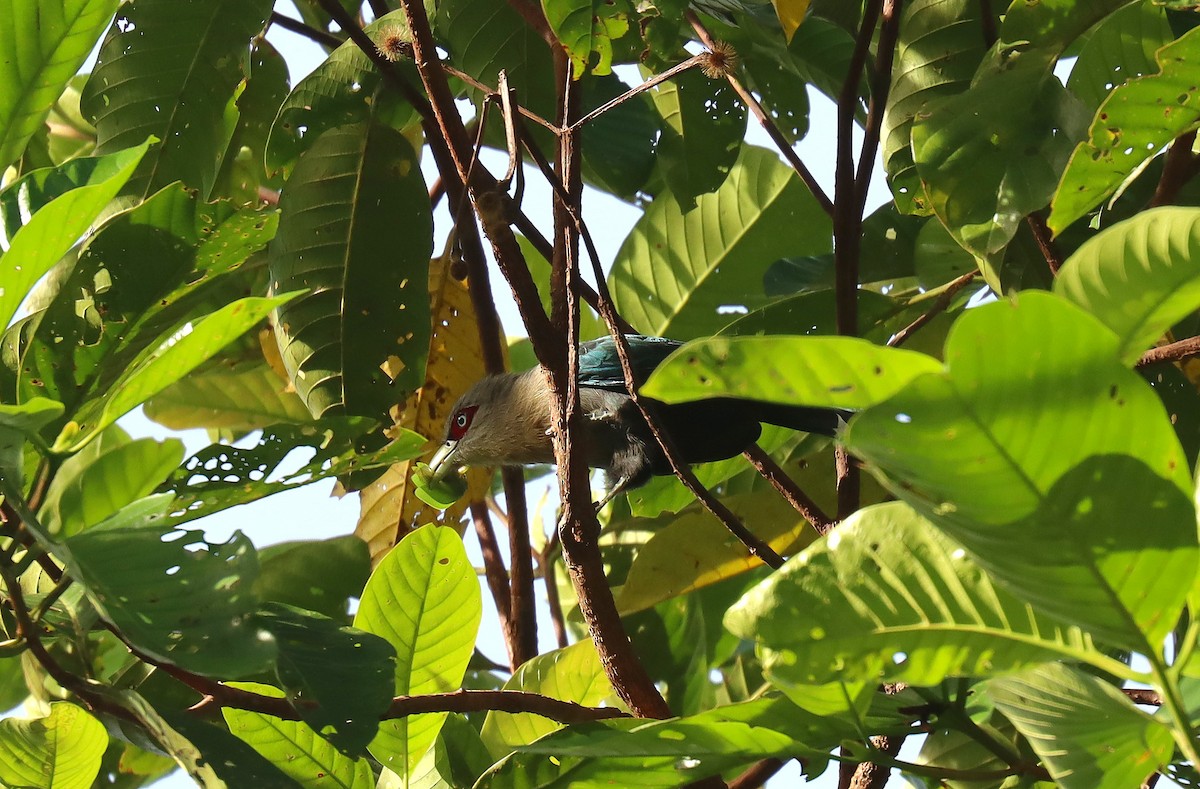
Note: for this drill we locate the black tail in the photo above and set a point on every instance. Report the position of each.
(823, 421)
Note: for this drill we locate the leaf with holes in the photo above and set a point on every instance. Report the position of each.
(174, 358)
(172, 70)
(57, 225)
(344, 89)
(886, 595)
(588, 26)
(686, 274)
(44, 44)
(424, 599)
(221, 476)
(1131, 126)
(1120, 48)
(356, 342)
(175, 596)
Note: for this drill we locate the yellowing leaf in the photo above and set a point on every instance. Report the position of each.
(791, 13)
(389, 506)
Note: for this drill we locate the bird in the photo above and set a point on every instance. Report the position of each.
(504, 420)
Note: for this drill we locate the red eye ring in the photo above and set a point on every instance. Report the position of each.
(461, 422)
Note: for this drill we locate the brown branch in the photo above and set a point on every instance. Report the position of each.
(1180, 165)
(493, 568)
(869, 775)
(533, 16)
(766, 466)
(988, 22)
(378, 7)
(513, 701)
(1045, 241)
(322, 37)
(766, 121)
(757, 774)
(1143, 696)
(1172, 352)
(546, 561)
(939, 305)
(885, 51)
(523, 620)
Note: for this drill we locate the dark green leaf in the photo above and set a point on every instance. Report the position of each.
(177, 597)
(338, 678)
(320, 576)
(356, 342)
(1120, 48)
(171, 68)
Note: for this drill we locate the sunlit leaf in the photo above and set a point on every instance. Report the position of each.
(1131, 126)
(424, 599)
(886, 595)
(585, 27)
(1120, 48)
(686, 274)
(60, 751)
(1087, 733)
(42, 45)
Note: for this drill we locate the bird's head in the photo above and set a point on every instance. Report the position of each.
(474, 434)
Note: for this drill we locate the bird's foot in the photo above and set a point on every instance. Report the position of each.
(612, 493)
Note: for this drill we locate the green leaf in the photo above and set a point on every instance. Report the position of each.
(243, 169)
(60, 751)
(712, 267)
(234, 397)
(55, 228)
(221, 476)
(90, 487)
(143, 278)
(458, 758)
(1121, 48)
(1088, 735)
(696, 550)
(834, 372)
(171, 69)
(176, 596)
(1041, 31)
(297, 750)
(338, 678)
(1155, 249)
(425, 600)
(887, 596)
(165, 365)
(1017, 419)
(344, 89)
(941, 44)
(356, 342)
(618, 146)
(669, 753)
(321, 575)
(42, 45)
(571, 674)
(703, 126)
(19, 424)
(1131, 126)
(989, 157)
(587, 26)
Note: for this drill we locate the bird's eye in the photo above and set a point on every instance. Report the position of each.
(461, 421)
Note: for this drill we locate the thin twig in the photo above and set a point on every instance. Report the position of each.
(546, 561)
(674, 71)
(939, 305)
(885, 50)
(1145, 696)
(378, 7)
(766, 121)
(1045, 241)
(766, 466)
(523, 620)
(513, 701)
(322, 37)
(493, 566)
(988, 22)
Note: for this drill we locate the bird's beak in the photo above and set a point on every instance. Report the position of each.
(442, 462)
